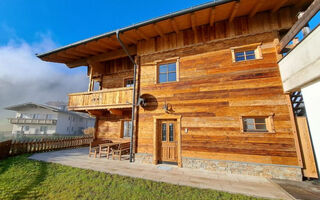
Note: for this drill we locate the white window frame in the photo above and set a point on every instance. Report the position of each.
(256, 47)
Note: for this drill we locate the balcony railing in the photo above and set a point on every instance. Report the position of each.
(102, 99)
(32, 121)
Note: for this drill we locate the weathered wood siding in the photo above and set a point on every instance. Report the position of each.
(116, 71)
(221, 30)
(109, 126)
(211, 95)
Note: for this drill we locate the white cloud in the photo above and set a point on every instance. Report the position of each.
(25, 78)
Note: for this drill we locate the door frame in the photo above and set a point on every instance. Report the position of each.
(156, 119)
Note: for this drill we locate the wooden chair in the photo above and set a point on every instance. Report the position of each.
(107, 149)
(94, 146)
(124, 148)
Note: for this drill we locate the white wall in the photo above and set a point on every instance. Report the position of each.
(72, 124)
(311, 97)
(34, 128)
(302, 65)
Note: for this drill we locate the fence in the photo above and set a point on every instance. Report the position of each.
(14, 147)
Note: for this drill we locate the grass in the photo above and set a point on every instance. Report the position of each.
(21, 178)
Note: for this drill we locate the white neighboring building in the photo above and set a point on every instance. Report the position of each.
(32, 118)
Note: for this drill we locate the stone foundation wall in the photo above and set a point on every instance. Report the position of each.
(233, 167)
(243, 168)
(143, 158)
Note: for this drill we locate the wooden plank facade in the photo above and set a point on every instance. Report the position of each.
(201, 114)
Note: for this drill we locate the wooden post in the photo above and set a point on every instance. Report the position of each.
(90, 69)
(294, 130)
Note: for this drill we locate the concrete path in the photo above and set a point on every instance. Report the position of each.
(248, 185)
(306, 190)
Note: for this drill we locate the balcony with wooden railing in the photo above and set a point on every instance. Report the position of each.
(102, 99)
(32, 121)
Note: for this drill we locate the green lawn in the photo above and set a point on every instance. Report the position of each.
(21, 178)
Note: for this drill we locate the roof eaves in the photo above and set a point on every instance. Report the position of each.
(135, 26)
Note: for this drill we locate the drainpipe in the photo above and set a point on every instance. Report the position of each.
(134, 92)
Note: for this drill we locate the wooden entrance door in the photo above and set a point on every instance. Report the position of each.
(167, 132)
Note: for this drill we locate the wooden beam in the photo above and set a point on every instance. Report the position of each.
(127, 38)
(299, 4)
(279, 5)
(65, 55)
(61, 58)
(101, 45)
(110, 43)
(158, 29)
(174, 25)
(212, 16)
(111, 55)
(141, 34)
(255, 9)
(295, 29)
(194, 27)
(83, 49)
(294, 130)
(90, 78)
(95, 47)
(234, 11)
(96, 112)
(76, 53)
(116, 111)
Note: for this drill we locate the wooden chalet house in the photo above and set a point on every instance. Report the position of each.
(205, 86)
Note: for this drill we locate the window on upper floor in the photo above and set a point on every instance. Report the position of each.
(246, 53)
(257, 124)
(167, 73)
(128, 82)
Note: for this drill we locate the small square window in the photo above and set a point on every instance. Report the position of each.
(245, 55)
(167, 73)
(247, 52)
(257, 124)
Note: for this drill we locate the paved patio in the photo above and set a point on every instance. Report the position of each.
(248, 185)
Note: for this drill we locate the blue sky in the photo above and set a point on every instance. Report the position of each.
(67, 21)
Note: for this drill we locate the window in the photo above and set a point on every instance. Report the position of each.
(171, 139)
(128, 82)
(257, 124)
(50, 116)
(164, 131)
(167, 73)
(25, 128)
(43, 129)
(246, 53)
(39, 116)
(127, 128)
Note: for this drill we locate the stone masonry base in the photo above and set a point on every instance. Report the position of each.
(234, 167)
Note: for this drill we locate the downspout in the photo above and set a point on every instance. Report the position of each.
(134, 92)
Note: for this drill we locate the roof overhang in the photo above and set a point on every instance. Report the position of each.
(106, 47)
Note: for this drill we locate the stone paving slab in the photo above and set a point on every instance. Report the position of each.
(243, 184)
